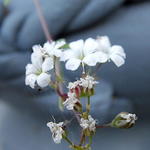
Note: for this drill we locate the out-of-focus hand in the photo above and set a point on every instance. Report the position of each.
(22, 26)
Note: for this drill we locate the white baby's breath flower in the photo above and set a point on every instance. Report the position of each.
(89, 123)
(37, 73)
(38, 49)
(70, 102)
(106, 52)
(54, 48)
(124, 120)
(73, 85)
(80, 52)
(56, 130)
(87, 82)
(129, 117)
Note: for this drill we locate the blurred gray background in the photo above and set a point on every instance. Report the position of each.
(24, 112)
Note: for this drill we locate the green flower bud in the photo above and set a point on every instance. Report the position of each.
(124, 120)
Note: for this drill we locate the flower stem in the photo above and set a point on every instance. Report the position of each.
(48, 37)
(67, 139)
(82, 139)
(90, 140)
(77, 116)
(42, 20)
(88, 105)
(103, 126)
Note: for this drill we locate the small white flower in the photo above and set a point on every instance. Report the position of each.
(38, 49)
(38, 71)
(56, 130)
(106, 52)
(124, 120)
(128, 118)
(89, 123)
(54, 48)
(87, 82)
(73, 85)
(70, 102)
(80, 52)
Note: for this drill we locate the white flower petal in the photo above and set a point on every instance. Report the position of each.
(49, 47)
(77, 49)
(90, 60)
(118, 60)
(30, 69)
(37, 49)
(31, 80)
(73, 64)
(48, 64)
(66, 55)
(89, 46)
(53, 49)
(43, 80)
(60, 43)
(101, 57)
(37, 60)
(118, 50)
(77, 45)
(104, 42)
(57, 53)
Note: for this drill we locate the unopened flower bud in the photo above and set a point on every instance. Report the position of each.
(124, 120)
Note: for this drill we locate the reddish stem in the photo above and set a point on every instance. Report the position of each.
(42, 20)
(102, 126)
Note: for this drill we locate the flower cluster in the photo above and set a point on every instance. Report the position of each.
(42, 59)
(70, 102)
(87, 54)
(88, 82)
(91, 51)
(88, 123)
(56, 130)
(124, 120)
(83, 87)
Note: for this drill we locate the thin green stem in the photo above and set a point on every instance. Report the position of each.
(88, 100)
(88, 105)
(90, 140)
(68, 140)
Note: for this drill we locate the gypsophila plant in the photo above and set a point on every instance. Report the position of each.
(44, 71)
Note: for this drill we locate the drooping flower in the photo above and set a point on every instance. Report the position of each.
(89, 123)
(70, 102)
(88, 82)
(56, 130)
(124, 120)
(106, 52)
(80, 53)
(54, 48)
(37, 73)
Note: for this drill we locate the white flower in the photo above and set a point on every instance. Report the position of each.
(70, 102)
(124, 120)
(80, 52)
(87, 82)
(89, 123)
(128, 118)
(73, 85)
(57, 131)
(38, 71)
(38, 49)
(106, 52)
(54, 48)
